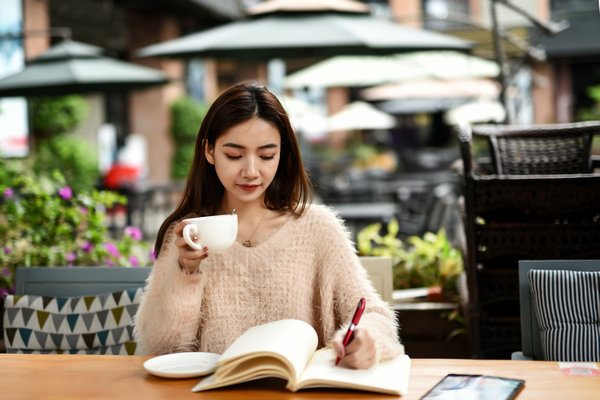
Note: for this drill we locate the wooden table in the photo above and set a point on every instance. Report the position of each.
(65, 377)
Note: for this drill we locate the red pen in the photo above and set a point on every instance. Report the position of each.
(355, 319)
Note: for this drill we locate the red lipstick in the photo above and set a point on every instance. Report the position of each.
(248, 188)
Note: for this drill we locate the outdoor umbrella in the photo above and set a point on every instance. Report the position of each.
(362, 71)
(434, 88)
(305, 118)
(476, 112)
(360, 116)
(286, 30)
(73, 67)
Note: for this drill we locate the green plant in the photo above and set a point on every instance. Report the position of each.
(53, 115)
(186, 118)
(73, 157)
(43, 222)
(592, 113)
(182, 160)
(370, 242)
(422, 262)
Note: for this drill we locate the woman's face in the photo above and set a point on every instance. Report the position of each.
(246, 158)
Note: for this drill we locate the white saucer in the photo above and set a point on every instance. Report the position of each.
(182, 365)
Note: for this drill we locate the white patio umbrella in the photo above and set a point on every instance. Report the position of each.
(434, 88)
(360, 116)
(361, 71)
(476, 112)
(305, 118)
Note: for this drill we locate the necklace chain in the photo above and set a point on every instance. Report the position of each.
(248, 242)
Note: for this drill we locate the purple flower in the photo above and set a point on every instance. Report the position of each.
(87, 246)
(70, 257)
(8, 193)
(83, 210)
(112, 249)
(134, 232)
(152, 255)
(3, 291)
(134, 261)
(7, 250)
(65, 192)
(6, 272)
(109, 263)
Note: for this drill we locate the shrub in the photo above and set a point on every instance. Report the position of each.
(53, 115)
(182, 160)
(186, 118)
(73, 157)
(43, 222)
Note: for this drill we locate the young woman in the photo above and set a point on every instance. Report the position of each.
(291, 259)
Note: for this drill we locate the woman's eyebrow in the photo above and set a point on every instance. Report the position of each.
(239, 146)
(234, 145)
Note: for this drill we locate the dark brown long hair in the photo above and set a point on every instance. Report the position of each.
(289, 191)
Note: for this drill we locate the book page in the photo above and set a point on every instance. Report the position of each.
(293, 340)
(386, 377)
(262, 367)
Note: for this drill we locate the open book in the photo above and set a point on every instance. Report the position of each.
(286, 349)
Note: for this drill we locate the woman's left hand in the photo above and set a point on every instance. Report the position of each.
(360, 352)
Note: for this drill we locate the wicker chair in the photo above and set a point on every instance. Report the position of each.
(540, 149)
(535, 196)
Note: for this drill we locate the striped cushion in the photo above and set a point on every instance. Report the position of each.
(568, 312)
(99, 324)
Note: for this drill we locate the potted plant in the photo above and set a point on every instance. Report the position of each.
(427, 299)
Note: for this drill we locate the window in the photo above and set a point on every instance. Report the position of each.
(442, 14)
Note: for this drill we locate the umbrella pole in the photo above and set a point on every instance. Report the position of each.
(549, 28)
(501, 59)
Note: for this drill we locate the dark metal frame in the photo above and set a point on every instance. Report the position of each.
(518, 217)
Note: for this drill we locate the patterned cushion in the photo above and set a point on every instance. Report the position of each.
(568, 312)
(100, 324)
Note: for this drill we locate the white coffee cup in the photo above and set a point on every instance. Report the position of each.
(216, 232)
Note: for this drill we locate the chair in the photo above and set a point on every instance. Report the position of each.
(379, 270)
(86, 310)
(78, 281)
(533, 272)
(534, 195)
(540, 149)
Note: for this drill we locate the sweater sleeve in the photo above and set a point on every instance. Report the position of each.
(168, 319)
(346, 280)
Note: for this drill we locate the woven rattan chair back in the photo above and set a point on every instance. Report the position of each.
(540, 149)
(533, 196)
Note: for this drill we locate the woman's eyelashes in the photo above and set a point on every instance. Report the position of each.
(239, 157)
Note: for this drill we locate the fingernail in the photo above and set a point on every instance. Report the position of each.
(205, 249)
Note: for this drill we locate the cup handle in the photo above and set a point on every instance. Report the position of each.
(188, 230)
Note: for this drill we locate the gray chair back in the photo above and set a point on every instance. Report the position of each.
(78, 281)
(530, 331)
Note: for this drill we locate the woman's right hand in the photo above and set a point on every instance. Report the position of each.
(189, 258)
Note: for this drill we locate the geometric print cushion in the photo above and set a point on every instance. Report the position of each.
(568, 313)
(99, 324)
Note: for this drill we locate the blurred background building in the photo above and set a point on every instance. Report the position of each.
(547, 81)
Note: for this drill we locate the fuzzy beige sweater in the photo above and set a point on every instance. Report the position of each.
(307, 270)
